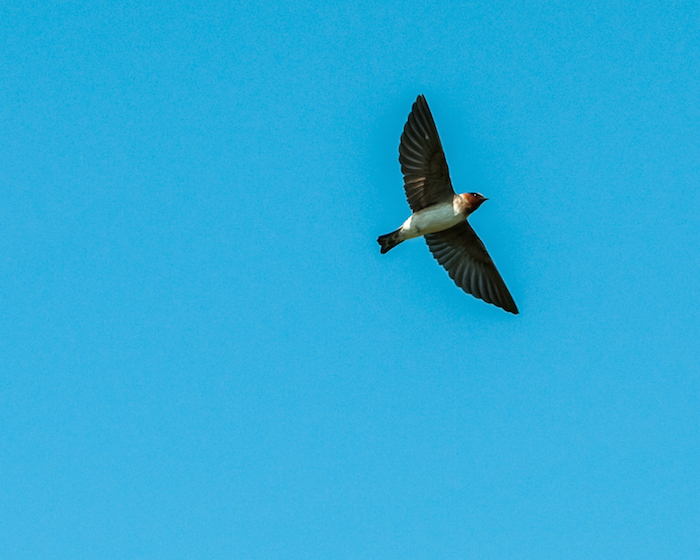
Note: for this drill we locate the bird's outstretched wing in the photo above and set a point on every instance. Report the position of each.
(460, 251)
(423, 164)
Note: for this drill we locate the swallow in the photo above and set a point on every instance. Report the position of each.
(440, 215)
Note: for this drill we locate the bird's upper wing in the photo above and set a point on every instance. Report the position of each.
(464, 256)
(423, 164)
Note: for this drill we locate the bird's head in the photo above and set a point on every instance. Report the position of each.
(473, 200)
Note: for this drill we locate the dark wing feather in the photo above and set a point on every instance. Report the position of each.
(423, 164)
(464, 256)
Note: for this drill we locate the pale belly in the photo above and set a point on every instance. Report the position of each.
(430, 220)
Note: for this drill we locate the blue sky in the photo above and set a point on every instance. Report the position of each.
(203, 353)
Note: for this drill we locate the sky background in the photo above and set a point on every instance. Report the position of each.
(203, 353)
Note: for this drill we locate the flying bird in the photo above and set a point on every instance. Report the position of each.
(441, 215)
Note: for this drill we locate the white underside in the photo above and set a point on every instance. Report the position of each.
(430, 220)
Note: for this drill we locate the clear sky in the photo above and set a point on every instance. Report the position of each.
(203, 353)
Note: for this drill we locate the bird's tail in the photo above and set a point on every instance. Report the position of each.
(389, 241)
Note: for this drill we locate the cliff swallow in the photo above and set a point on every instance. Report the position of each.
(441, 215)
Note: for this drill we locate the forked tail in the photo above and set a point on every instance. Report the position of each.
(389, 241)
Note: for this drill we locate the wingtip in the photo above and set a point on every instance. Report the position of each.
(509, 306)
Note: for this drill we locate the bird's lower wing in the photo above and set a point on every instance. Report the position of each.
(460, 251)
